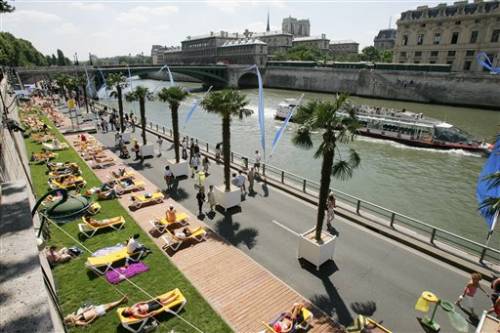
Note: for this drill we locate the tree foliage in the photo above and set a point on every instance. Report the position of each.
(19, 52)
(303, 53)
(5, 7)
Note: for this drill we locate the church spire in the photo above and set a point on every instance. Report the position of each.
(268, 28)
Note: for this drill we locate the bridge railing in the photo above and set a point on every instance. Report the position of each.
(438, 237)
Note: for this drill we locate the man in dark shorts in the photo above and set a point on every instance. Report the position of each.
(145, 309)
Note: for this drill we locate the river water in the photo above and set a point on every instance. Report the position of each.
(434, 186)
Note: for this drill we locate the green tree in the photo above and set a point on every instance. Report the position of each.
(61, 61)
(54, 59)
(386, 56)
(227, 104)
(174, 96)
(62, 81)
(492, 203)
(5, 7)
(324, 116)
(370, 53)
(118, 82)
(140, 94)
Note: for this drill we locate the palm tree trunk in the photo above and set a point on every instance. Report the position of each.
(142, 109)
(326, 172)
(120, 107)
(175, 127)
(226, 150)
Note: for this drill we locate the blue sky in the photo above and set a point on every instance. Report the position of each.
(112, 27)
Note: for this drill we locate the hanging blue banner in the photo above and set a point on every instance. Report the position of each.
(281, 130)
(103, 79)
(87, 86)
(485, 188)
(485, 61)
(195, 105)
(129, 77)
(261, 111)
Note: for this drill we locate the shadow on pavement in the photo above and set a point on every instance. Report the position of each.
(367, 308)
(332, 303)
(231, 232)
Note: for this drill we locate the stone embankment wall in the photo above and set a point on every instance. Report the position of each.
(466, 89)
(164, 77)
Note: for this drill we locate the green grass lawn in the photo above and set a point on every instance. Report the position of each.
(76, 285)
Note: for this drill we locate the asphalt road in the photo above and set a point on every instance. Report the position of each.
(369, 272)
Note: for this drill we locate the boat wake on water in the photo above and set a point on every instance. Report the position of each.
(457, 152)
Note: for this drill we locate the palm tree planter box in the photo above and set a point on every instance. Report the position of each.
(147, 150)
(227, 199)
(179, 169)
(314, 252)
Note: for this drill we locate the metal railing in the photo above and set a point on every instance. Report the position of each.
(375, 213)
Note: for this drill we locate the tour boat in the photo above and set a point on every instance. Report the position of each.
(409, 128)
(285, 107)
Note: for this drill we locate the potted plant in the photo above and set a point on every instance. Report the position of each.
(174, 96)
(227, 104)
(315, 245)
(141, 94)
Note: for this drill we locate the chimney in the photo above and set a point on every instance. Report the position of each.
(323, 36)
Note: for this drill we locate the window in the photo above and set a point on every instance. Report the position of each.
(432, 62)
(450, 62)
(495, 36)
(422, 25)
(405, 39)
(437, 38)
(469, 53)
(458, 22)
(403, 54)
(418, 53)
(476, 21)
(417, 62)
(454, 38)
(473, 36)
(420, 39)
(434, 53)
(467, 65)
(451, 53)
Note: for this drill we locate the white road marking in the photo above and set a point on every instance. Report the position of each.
(286, 228)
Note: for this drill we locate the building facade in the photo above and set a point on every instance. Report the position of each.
(385, 40)
(344, 47)
(276, 41)
(319, 42)
(202, 50)
(243, 51)
(451, 35)
(298, 28)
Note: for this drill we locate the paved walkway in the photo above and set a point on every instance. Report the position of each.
(370, 272)
(238, 288)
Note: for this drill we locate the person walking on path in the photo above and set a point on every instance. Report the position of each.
(218, 151)
(132, 123)
(211, 198)
(200, 179)
(258, 159)
(191, 149)
(159, 141)
(184, 148)
(136, 149)
(242, 181)
(195, 163)
(196, 148)
(200, 198)
(469, 292)
(169, 177)
(330, 210)
(206, 164)
(251, 180)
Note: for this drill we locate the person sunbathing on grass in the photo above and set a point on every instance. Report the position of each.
(86, 315)
(145, 309)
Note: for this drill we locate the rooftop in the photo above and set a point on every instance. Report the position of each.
(270, 33)
(249, 41)
(346, 41)
(219, 34)
(458, 8)
(309, 38)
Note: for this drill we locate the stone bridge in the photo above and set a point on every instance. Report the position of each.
(219, 76)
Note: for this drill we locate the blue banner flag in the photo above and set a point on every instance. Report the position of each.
(279, 133)
(485, 61)
(87, 86)
(195, 105)
(261, 110)
(103, 78)
(171, 78)
(485, 188)
(129, 77)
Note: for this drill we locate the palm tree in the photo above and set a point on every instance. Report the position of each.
(324, 116)
(140, 94)
(228, 104)
(5, 7)
(492, 203)
(80, 82)
(174, 96)
(118, 81)
(62, 81)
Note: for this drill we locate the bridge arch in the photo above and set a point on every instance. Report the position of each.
(248, 80)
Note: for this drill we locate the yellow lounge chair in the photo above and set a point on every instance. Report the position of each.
(140, 200)
(362, 321)
(136, 325)
(76, 182)
(41, 157)
(53, 147)
(103, 165)
(102, 264)
(116, 176)
(307, 317)
(173, 242)
(58, 166)
(88, 229)
(161, 224)
(135, 186)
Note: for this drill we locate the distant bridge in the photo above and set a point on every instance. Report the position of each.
(219, 76)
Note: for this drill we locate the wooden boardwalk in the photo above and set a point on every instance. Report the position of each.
(243, 292)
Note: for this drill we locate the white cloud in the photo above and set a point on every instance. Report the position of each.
(87, 6)
(33, 16)
(67, 28)
(143, 14)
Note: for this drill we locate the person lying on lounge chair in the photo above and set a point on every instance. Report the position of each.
(145, 309)
(85, 316)
(182, 234)
(133, 246)
(288, 319)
